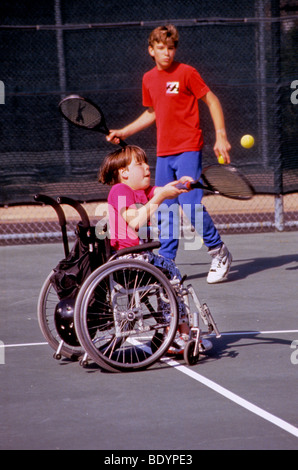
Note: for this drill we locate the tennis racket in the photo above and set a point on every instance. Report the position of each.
(85, 114)
(224, 180)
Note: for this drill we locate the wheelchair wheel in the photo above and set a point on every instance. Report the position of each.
(136, 312)
(47, 303)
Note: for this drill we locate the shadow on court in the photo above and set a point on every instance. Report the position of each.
(247, 268)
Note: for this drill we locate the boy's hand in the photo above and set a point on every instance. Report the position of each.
(222, 146)
(115, 136)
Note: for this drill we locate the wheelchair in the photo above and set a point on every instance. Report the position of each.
(125, 313)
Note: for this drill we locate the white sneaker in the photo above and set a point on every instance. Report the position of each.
(178, 345)
(205, 345)
(220, 264)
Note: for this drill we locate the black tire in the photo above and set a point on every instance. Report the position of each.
(188, 354)
(134, 305)
(47, 301)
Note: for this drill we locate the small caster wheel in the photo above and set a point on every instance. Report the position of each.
(188, 355)
(57, 356)
(83, 363)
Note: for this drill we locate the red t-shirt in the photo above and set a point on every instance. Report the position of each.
(122, 197)
(173, 93)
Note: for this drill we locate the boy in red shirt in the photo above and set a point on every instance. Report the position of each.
(170, 93)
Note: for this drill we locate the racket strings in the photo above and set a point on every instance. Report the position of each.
(81, 113)
(228, 182)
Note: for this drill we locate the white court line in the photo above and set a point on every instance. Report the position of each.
(218, 388)
(237, 333)
(233, 397)
(21, 345)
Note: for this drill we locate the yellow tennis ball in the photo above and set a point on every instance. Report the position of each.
(221, 159)
(247, 141)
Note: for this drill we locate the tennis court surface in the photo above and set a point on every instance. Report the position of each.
(242, 395)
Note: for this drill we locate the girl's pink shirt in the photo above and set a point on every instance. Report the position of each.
(122, 197)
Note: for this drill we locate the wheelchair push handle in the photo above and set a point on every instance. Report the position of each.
(44, 199)
(78, 207)
(52, 202)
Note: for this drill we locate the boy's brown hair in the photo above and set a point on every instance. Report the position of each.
(163, 33)
(121, 158)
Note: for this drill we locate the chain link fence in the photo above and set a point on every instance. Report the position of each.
(245, 51)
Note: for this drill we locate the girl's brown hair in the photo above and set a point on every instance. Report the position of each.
(121, 158)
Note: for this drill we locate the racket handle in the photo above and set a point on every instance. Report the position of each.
(122, 143)
(187, 185)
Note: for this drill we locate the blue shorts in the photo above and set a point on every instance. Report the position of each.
(172, 168)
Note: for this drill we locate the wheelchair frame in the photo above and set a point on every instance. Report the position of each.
(125, 315)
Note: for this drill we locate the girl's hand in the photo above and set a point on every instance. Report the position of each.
(170, 190)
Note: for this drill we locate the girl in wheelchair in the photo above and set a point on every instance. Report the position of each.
(132, 202)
